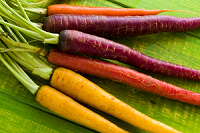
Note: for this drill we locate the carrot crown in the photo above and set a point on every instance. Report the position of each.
(19, 51)
(15, 49)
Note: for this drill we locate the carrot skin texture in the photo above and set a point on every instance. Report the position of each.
(89, 93)
(87, 10)
(119, 26)
(122, 74)
(79, 42)
(65, 106)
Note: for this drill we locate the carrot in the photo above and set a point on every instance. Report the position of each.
(120, 26)
(79, 42)
(122, 74)
(59, 103)
(107, 11)
(87, 10)
(83, 90)
(65, 106)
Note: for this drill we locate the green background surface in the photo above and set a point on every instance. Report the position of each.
(20, 113)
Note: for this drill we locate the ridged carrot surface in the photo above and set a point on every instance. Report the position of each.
(79, 42)
(83, 90)
(65, 106)
(122, 74)
(120, 26)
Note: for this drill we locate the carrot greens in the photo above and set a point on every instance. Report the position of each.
(25, 3)
(30, 61)
(8, 12)
(19, 73)
(29, 6)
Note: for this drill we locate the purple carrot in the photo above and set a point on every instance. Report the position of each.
(119, 26)
(79, 42)
(122, 74)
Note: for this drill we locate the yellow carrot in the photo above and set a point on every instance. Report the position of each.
(65, 106)
(83, 90)
(59, 103)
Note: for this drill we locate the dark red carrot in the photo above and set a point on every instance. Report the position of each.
(122, 74)
(108, 11)
(119, 26)
(79, 42)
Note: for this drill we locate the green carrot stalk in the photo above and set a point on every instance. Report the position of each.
(18, 72)
(30, 7)
(32, 62)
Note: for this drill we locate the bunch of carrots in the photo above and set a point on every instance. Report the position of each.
(80, 29)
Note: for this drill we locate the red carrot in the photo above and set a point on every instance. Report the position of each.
(108, 11)
(122, 74)
(118, 26)
(79, 42)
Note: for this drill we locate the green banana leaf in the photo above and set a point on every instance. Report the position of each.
(20, 113)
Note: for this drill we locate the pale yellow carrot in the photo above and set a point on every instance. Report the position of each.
(83, 90)
(65, 106)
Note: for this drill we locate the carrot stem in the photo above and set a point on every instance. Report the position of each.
(30, 61)
(41, 11)
(33, 34)
(7, 10)
(19, 73)
(26, 3)
(30, 7)
(22, 10)
(23, 45)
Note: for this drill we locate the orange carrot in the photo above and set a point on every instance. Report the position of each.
(83, 90)
(108, 11)
(65, 106)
